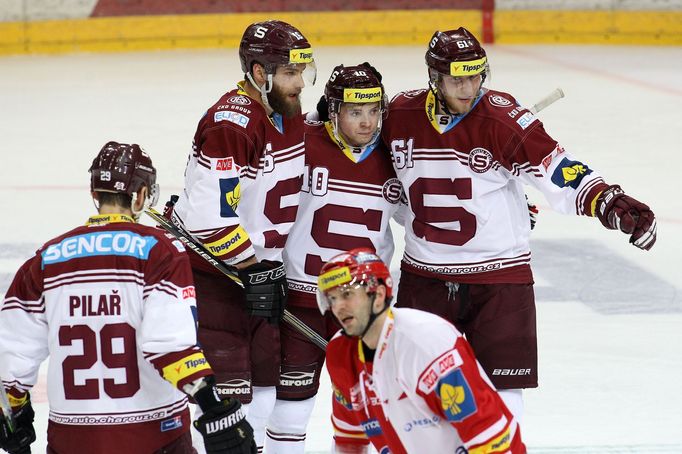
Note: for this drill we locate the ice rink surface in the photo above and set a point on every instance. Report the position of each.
(609, 315)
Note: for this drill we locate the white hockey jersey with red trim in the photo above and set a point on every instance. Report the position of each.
(242, 180)
(467, 219)
(343, 205)
(423, 392)
(113, 305)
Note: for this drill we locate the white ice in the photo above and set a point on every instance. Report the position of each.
(609, 315)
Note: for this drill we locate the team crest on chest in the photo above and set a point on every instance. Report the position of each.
(392, 190)
(480, 160)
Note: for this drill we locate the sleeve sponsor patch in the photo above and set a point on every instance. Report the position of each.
(185, 367)
(233, 117)
(223, 164)
(228, 243)
(570, 173)
(445, 363)
(456, 398)
(230, 194)
(526, 120)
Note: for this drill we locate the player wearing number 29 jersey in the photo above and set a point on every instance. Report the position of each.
(463, 154)
(113, 305)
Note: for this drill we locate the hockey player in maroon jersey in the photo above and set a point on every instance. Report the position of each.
(112, 304)
(240, 199)
(403, 379)
(463, 153)
(348, 196)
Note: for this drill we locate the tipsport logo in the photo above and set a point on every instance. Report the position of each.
(301, 55)
(362, 95)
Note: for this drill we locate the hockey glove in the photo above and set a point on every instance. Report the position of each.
(373, 69)
(323, 109)
(265, 286)
(226, 430)
(617, 211)
(18, 441)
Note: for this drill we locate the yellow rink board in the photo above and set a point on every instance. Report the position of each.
(348, 28)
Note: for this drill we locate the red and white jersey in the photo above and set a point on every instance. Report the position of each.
(242, 180)
(343, 205)
(423, 391)
(463, 177)
(112, 304)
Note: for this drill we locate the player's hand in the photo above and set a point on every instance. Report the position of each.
(226, 430)
(373, 69)
(19, 441)
(618, 211)
(265, 286)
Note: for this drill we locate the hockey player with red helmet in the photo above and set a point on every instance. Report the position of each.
(403, 379)
(348, 197)
(240, 199)
(463, 153)
(112, 305)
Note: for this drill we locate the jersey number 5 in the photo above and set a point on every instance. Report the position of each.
(125, 359)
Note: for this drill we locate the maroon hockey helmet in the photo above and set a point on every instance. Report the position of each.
(456, 53)
(273, 43)
(354, 84)
(123, 168)
(357, 267)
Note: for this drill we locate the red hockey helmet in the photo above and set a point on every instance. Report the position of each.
(456, 53)
(123, 168)
(354, 84)
(273, 43)
(357, 267)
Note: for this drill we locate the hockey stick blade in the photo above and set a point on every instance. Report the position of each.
(547, 101)
(193, 244)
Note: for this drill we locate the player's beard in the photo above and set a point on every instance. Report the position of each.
(283, 104)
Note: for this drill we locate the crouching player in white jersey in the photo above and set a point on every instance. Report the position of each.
(348, 196)
(404, 380)
(112, 304)
(463, 153)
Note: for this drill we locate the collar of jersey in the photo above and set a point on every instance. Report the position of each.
(382, 338)
(102, 219)
(347, 149)
(431, 113)
(275, 118)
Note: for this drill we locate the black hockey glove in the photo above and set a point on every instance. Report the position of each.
(226, 430)
(373, 69)
(265, 286)
(19, 441)
(323, 109)
(617, 211)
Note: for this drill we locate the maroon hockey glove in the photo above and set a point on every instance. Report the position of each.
(265, 286)
(226, 430)
(18, 441)
(617, 211)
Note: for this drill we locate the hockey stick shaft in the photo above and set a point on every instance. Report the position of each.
(547, 101)
(193, 244)
(6, 409)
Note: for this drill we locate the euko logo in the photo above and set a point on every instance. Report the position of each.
(99, 243)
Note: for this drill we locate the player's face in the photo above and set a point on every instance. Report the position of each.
(351, 307)
(287, 84)
(358, 122)
(459, 93)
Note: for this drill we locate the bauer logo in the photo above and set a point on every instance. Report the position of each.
(122, 243)
(233, 117)
(362, 95)
(480, 160)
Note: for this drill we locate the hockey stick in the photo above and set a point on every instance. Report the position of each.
(179, 233)
(6, 410)
(547, 100)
